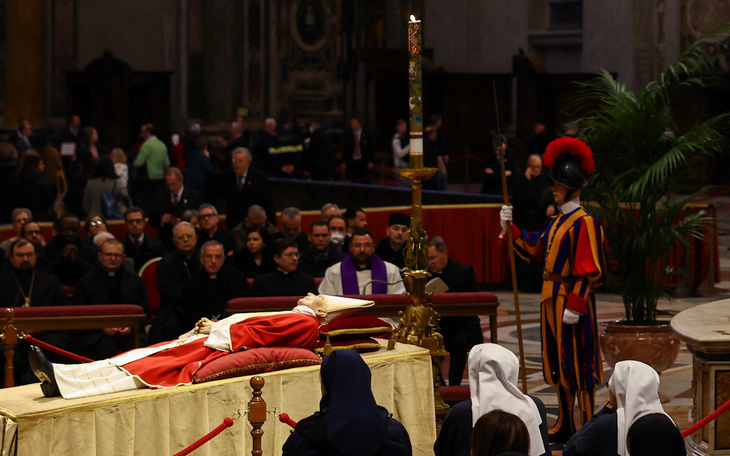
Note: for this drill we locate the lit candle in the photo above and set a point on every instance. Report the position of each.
(415, 91)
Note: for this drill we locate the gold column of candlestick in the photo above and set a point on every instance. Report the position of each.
(417, 323)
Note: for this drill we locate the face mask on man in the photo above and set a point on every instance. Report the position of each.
(338, 238)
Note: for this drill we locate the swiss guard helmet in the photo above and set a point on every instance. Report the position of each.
(570, 162)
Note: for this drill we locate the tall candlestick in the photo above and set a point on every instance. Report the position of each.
(415, 92)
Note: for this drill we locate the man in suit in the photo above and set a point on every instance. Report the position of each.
(210, 231)
(138, 246)
(291, 228)
(357, 152)
(243, 187)
(460, 333)
(71, 133)
(22, 140)
(169, 205)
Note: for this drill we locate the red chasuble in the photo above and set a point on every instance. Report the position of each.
(176, 365)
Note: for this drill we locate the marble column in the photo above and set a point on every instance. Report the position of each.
(25, 60)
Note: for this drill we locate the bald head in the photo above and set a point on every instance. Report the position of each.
(534, 166)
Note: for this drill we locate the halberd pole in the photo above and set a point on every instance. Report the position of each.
(500, 144)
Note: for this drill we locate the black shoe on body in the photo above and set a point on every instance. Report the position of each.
(43, 369)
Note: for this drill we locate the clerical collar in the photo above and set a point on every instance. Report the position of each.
(367, 267)
(282, 271)
(111, 273)
(213, 276)
(570, 206)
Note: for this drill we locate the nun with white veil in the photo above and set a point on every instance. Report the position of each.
(632, 422)
(493, 373)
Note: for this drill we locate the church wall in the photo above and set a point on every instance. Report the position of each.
(140, 32)
(608, 38)
(475, 36)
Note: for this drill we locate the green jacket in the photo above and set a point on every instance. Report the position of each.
(153, 154)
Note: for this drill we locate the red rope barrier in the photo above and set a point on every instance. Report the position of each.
(32, 340)
(228, 422)
(284, 418)
(702, 423)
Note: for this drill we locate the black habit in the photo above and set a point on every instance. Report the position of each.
(278, 283)
(460, 333)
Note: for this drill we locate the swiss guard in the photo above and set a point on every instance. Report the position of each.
(570, 251)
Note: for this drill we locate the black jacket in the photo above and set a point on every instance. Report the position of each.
(47, 290)
(256, 190)
(276, 283)
(316, 264)
(148, 249)
(124, 287)
(207, 297)
(386, 253)
(163, 205)
(174, 272)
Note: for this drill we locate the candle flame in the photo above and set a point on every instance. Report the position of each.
(413, 18)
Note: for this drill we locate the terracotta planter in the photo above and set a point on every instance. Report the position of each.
(656, 345)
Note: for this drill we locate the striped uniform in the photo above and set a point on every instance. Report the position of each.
(570, 249)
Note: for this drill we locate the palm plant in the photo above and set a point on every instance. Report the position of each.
(643, 161)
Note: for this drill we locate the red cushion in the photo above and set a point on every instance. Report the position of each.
(362, 345)
(455, 393)
(359, 326)
(255, 361)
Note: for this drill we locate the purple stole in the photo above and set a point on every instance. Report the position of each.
(348, 272)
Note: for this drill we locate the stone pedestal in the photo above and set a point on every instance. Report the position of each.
(706, 331)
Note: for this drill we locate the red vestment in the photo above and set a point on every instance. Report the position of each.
(177, 364)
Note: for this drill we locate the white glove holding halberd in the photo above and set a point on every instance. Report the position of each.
(505, 219)
(570, 317)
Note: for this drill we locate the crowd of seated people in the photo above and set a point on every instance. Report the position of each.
(96, 268)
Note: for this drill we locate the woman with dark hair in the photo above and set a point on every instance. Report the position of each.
(256, 259)
(34, 190)
(349, 422)
(95, 224)
(104, 180)
(493, 372)
(498, 432)
(89, 149)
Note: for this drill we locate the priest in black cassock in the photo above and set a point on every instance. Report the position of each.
(25, 285)
(214, 285)
(392, 247)
(110, 283)
(174, 272)
(285, 280)
(460, 333)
